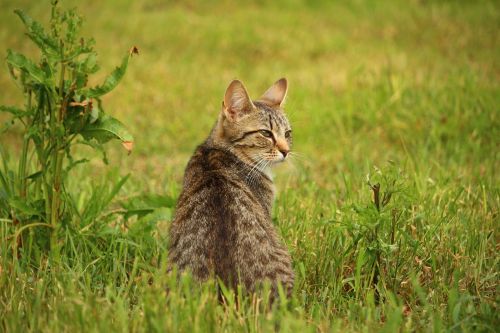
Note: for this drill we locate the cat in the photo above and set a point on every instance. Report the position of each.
(222, 225)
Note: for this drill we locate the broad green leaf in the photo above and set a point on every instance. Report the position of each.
(142, 205)
(89, 64)
(113, 79)
(150, 200)
(21, 62)
(107, 128)
(94, 114)
(140, 212)
(24, 207)
(17, 112)
(37, 34)
(146, 224)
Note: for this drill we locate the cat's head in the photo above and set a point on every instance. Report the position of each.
(258, 132)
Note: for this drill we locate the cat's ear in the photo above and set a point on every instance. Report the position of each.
(275, 96)
(237, 103)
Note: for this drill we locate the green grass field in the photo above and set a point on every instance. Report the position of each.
(405, 93)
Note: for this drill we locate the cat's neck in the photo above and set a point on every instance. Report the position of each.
(216, 137)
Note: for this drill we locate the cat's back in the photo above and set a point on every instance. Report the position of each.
(215, 198)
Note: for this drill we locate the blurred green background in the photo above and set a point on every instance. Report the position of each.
(369, 80)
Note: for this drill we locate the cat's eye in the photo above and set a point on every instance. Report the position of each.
(288, 134)
(266, 133)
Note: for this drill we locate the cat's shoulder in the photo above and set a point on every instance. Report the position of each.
(213, 160)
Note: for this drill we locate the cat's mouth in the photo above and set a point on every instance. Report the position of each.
(278, 158)
(269, 159)
(281, 159)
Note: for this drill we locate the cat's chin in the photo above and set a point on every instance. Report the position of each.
(278, 161)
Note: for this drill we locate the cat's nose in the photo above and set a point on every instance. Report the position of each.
(284, 152)
(282, 146)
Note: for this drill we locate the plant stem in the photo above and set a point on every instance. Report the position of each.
(24, 154)
(42, 157)
(62, 107)
(56, 198)
(22, 167)
(57, 161)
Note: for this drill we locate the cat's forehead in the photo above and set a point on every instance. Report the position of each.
(271, 115)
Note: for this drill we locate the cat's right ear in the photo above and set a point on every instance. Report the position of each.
(237, 103)
(275, 96)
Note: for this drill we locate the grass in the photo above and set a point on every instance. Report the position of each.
(405, 92)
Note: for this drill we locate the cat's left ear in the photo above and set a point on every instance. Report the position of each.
(275, 96)
(237, 103)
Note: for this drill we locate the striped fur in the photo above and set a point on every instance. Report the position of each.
(222, 225)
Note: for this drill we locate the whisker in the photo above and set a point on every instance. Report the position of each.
(260, 167)
(296, 154)
(255, 168)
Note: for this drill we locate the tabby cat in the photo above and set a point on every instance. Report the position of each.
(222, 225)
